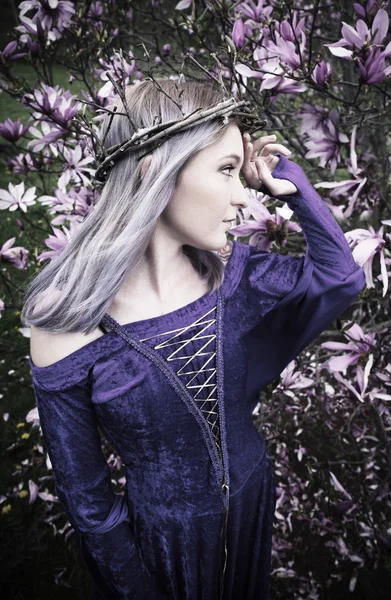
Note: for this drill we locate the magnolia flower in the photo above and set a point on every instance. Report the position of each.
(362, 380)
(372, 67)
(16, 197)
(366, 244)
(321, 135)
(338, 487)
(57, 242)
(29, 27)
(273, 77)
(385, 377)
(364, 47)
(53, 15)
(291, 380)
(371, 7)
(52, 104)
(360, 344)
(119, 70)
(13, 130)
(345, 187)
(183, 4)
(255, 12)
(15, 255)
(238, 37)
(10, 52)
(283, 43)
(60, 202)
(274, 58)
(70, 205)
(322, 73)
(22, 163)
(95, 12)
(265, 228)
(47, 138)
(357, 37)
(291, 29)
(76, 168)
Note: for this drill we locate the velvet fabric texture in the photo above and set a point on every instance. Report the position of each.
(192, 462)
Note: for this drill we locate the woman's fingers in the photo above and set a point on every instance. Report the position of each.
(269, 148)
(279, 187)
(266, 144)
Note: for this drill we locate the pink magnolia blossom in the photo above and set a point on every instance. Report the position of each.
(278, 59)
(166, 49)
(265, 227)
(291, 380)
(360, 389)
(10, 52)
(57, 242)
(385, 377)
(76, 169)
(372, 67)
(183, 4)
(13, 130)
(360, 344)
(16, 197)
(346, 187)
(255, 13)
(119, 69)
(362, 44)
(338, 486)
(370, 9)
(322, 73)
(53, 104)
(30, 28)
(238, 37)
(366, 244)
(16, 255)
(61, 202)
(273, 77)
(69, 205)
(356, 38)
(53, 15)
(321, 135)
(94, 16)
(22, 163)
(283, 45)
(48, 138)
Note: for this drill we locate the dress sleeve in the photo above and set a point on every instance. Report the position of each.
(83, 485)
(299, 296)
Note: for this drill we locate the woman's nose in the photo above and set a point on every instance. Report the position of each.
(241, 199)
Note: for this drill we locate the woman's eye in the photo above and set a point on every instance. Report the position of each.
(230, 167)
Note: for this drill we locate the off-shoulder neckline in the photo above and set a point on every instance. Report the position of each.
(237, 249)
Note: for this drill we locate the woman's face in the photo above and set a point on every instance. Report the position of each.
(208, 192)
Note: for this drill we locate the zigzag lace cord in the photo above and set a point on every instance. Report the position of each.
(181, 347)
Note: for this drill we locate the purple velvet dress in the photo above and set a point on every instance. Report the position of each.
(174, 395)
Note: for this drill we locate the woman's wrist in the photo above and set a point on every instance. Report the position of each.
(289, 171)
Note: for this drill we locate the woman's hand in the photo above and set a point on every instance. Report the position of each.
(257, 169)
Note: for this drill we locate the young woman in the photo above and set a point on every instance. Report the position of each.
(141, 328)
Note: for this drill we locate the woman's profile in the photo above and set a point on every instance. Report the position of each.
(147, 327)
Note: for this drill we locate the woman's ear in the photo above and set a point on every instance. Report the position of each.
(145, 164)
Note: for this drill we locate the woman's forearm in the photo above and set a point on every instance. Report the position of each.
(326, 242)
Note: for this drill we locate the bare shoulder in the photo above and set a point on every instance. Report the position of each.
(47, 348)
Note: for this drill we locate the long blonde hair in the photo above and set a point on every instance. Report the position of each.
(74, 290)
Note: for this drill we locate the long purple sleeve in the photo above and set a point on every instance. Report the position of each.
(299, 297)
(83, 485)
